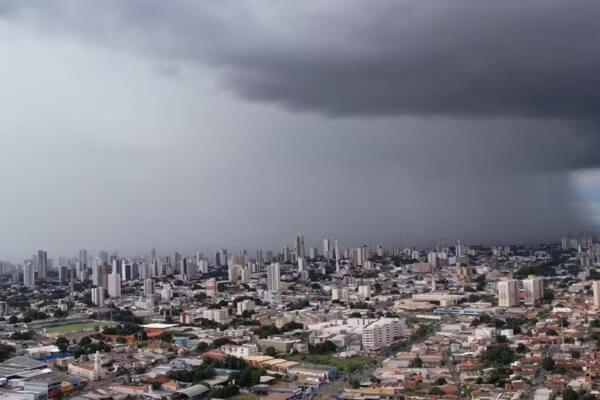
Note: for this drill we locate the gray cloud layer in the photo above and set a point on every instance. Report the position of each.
(507, 92)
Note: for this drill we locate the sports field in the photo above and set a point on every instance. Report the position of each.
(76, 327)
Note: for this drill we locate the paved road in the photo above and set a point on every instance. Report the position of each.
(540, 378)
(333, 388)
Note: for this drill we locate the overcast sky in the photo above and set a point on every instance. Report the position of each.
(194, 125)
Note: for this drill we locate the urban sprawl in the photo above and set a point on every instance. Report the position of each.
(453, 322)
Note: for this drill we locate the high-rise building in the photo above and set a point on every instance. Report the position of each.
(382, 332)
(166, 293)
(533, 288)
(202, 266)
(98, 296)
(273, 277)
(83, 258)
(360, 255)
(42, 264)
(260, 259)
(126, 271)
(114, 285)
(245, 273)
(299, 246)
(337, 257)
(63, 274)
(286, 254)
(212, 288)
(233, 273)
(301, 264)
(507, 293)
(224, 257)
(104, 258)
(96, 265)
(596, 289)
(29, 275)
(364, 291)
(148, 287)
(327, 249)
(244, 305)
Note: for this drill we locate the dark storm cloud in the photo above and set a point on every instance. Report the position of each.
(508, 92)
(484, 58)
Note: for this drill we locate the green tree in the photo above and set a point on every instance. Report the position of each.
(436, 391)
(575, 354)
(62, 343)
(548, 364)
(416, 363)
(202, 347)
(6, 351)
(570, 394)
(270, 351)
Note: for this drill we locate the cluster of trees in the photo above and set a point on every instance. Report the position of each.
(327, 347)
(416, 363)
(270, 330)
(196, 375)
(86, 346)
(498, 355)
(62, 343)
(549, 365)
(545, 269)
(248, 377)
(30, 315)
(117, 314)
(125, 329)
(422, 332)
(24, 335)
(570, 394)
(225, 392)
(6, 351)
(298, 305)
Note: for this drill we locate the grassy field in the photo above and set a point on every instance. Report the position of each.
(76, 327)
(343, 365)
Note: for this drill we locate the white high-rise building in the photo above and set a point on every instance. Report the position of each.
(166, 293)
(234, 272)
(202, 266)
(382, 332)
(301, 264)
(245, 273)
(273, 277)
(212, 287)
(596, 289)
(96, 271)
(533, 288)
(148, 287)
(98, 296)
(335, 294)
(114, 285)
(507, 293)
(364, 291)
(29, 275)
(244, 305)
(327, 249)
